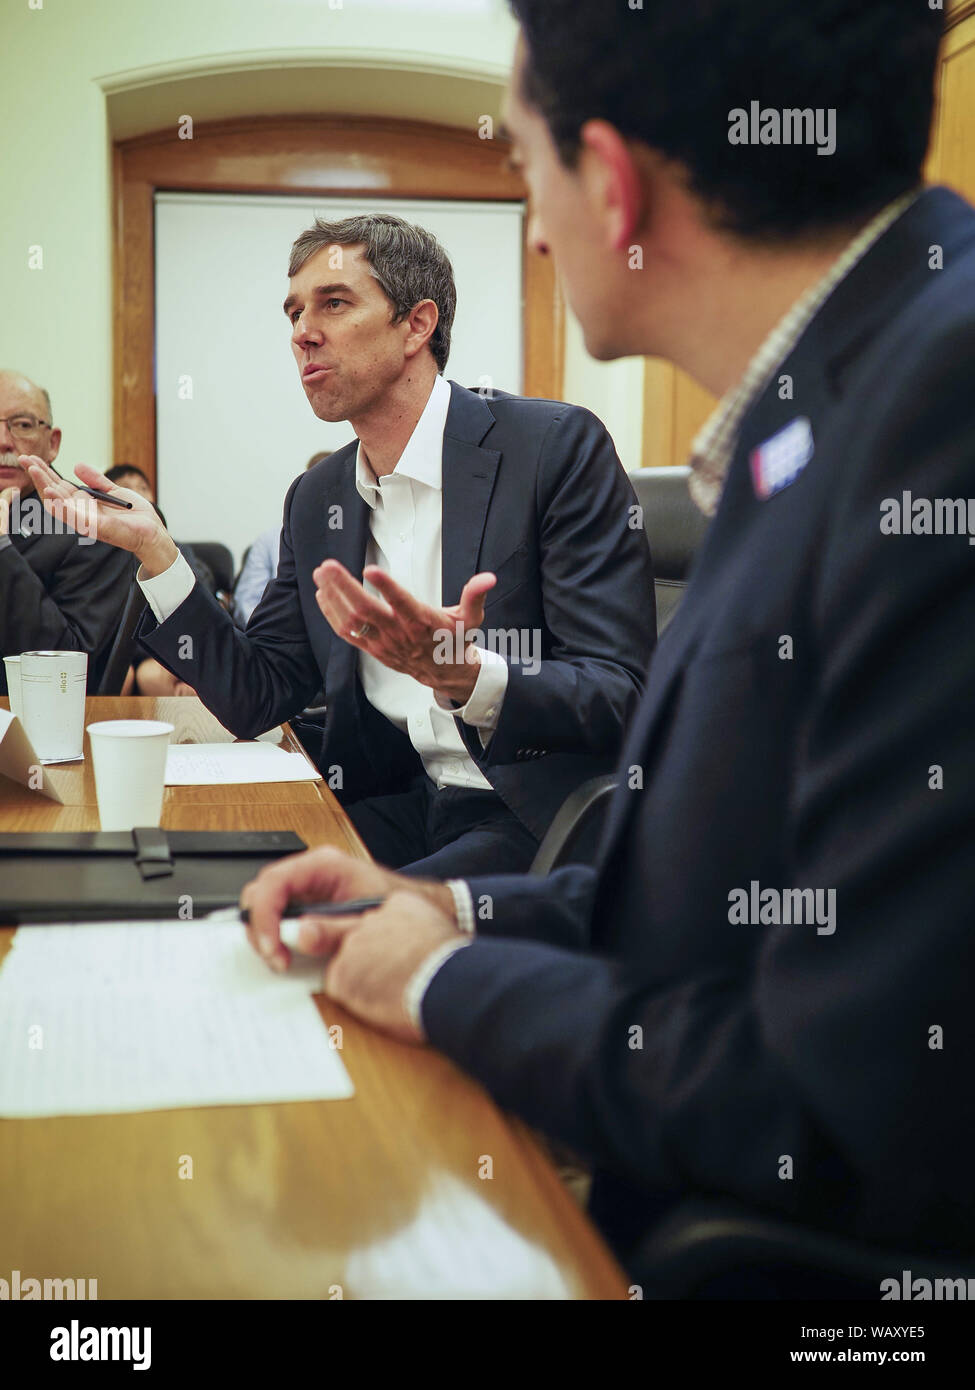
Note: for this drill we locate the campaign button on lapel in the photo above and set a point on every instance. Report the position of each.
(779, 461)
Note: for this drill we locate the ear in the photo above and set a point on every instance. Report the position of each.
(421, 322)
(54, 446)
(615, 186)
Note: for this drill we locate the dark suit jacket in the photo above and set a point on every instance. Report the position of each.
(814, 768)
(532, 490)
(58, 593)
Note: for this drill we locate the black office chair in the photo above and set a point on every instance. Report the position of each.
(573, 836)
(220, 561)
(123, 652)
(711, 1248)
(675, 528)
(243, 562)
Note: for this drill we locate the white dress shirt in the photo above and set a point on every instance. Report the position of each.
(405, 539)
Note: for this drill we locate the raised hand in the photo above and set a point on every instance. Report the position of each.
(403, 633)
(138, 530)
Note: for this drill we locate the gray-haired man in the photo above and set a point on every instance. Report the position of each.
(58, 590)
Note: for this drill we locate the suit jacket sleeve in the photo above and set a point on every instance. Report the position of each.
(251, 681)
(597, 594)
(556, 908)
(849, 1053)
(78, 610)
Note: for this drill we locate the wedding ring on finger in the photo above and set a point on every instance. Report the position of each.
(366, 630)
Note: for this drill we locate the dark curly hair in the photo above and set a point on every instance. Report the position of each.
(670, 72)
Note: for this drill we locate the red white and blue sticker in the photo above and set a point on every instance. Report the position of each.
(779, 461)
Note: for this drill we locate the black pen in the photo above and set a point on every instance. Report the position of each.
(102, 496)
(353, 908)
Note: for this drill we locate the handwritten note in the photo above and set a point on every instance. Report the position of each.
(135, 1016)
(226, 764)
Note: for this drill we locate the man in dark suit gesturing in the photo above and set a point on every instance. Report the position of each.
(462, 706)
(782, 912)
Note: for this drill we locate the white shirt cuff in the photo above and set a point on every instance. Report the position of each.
(165, 592)
(483, 707)
(463, 905)
(419, 981)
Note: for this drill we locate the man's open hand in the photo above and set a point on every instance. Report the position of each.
(403, 633)
(138, 530)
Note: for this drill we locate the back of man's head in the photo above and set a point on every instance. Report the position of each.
(674, 75)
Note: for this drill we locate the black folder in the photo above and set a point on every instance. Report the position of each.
(108, 876)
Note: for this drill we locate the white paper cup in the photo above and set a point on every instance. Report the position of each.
(52, 697)
(129, 757)
(12, 665)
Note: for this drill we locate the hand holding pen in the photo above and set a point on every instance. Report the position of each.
(99, 508)
(339, 892)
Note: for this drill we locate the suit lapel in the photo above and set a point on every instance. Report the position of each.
(469, 474)
(347, 544)
(468, 480)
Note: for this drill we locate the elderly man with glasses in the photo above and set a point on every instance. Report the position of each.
(59, 590)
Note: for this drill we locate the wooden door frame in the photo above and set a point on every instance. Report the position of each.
(315, 157)
(958, 11)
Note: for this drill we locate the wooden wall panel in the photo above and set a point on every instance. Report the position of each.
(658, 413)
(313, 157)
(692, 406)
(951, 159)
(674, 409)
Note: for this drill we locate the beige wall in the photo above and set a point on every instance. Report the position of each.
(611, 390)
(78, 73)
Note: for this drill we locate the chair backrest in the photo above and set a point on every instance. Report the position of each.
(573, 836)
(675, 528)
(221, 562)
(123, 652)
(243, 562)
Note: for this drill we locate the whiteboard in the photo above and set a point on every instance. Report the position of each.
(233, 425)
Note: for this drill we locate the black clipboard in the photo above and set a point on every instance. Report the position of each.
(143, 874)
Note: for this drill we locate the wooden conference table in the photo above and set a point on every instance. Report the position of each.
(380, 1194)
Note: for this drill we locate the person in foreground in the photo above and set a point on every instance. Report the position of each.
(465, 580)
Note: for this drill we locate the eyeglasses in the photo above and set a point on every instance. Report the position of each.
(24, 426)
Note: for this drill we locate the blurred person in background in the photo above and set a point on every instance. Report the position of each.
(261, 563)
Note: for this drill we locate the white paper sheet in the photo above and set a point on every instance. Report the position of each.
(226, 764)
(154, 1016)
